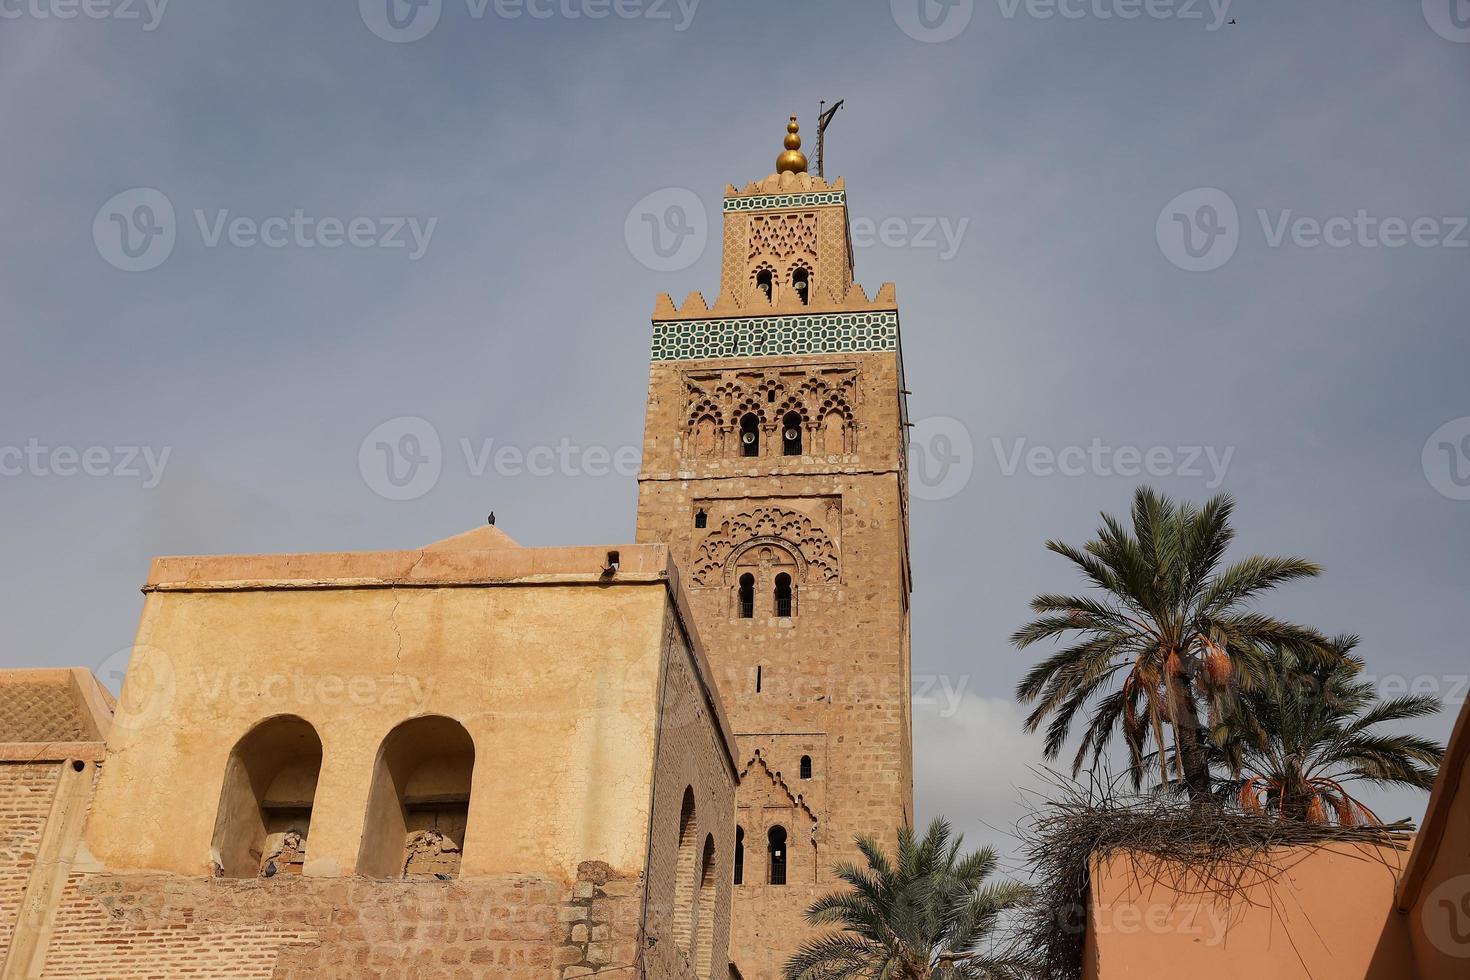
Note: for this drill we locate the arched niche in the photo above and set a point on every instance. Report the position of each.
(264, 817)
(418, 807)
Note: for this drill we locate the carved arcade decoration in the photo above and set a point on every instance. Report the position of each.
(820, 402)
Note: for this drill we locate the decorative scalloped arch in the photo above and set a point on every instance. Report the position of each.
(740, 551)
(794, 403)
(749, 405)
(816, 553)
(706, 407)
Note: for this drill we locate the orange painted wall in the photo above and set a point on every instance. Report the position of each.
(1325, 914)
(1435, 894)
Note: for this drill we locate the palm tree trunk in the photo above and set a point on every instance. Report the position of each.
(1185, 715)
(1153, 714)
(1296, 796)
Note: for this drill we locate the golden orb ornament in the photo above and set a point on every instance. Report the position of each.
(793, 161)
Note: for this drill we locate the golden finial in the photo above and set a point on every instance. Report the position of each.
(793, 161)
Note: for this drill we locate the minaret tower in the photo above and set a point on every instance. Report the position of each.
(774, 466)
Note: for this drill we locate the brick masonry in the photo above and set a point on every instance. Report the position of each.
(515, 927)
(26, 791)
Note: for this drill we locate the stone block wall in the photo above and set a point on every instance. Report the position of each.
(132, 927)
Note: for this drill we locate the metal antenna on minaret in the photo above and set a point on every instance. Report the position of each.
(824, 119)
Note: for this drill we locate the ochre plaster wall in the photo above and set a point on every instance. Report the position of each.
(555, 684)
(590, 709)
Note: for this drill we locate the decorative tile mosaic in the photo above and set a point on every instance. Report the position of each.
(776, 202)
(769, 336)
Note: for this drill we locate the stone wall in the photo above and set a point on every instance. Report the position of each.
(831, 681)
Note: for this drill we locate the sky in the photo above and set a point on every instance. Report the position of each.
(1211, 248)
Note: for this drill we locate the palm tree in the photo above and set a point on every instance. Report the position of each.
(1168, 625)
(1306, 732)
(924, 917)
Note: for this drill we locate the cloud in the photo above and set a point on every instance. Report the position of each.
(971, 765)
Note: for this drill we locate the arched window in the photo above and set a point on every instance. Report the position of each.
(419, 804)
(776, 845)
(763, 281)
(791, 434)
(806, 767)
(704, 930)
(739, 855)
(685, 868)
(747, 596)
(750, 435)
(701, 519)
(785, 596)
(801, 282)
(265, 805)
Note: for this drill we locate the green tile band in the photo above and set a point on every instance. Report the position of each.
(780, 202)
(769, 336)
